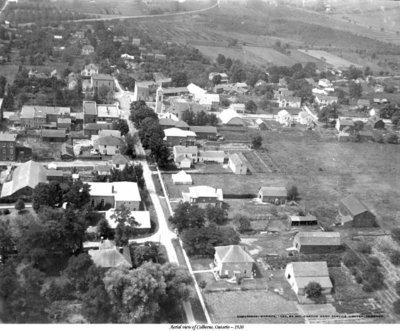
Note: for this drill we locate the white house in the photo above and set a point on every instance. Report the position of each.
(305, 118)
(90, 70)
(108, 145)
(238, 107)
(115, 194)
(289, 102)
(300, 274)
(324, 83)
(238, 164)
(203, 195)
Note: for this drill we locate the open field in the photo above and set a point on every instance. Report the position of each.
(103, 7)
(331, 59)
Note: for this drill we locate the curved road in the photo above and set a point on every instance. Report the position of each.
(147, 16)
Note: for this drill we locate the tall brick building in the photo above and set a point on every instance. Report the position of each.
(8, 147)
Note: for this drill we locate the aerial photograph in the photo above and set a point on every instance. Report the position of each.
(199, 164)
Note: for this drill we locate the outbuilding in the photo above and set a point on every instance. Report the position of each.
(317, 242)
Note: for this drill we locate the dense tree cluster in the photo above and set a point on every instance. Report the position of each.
(200, 119)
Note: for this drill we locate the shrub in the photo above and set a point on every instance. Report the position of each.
(6, 212)
(203, 284)
(242, 223)
(349, 259)
(395, 258)
(373, 276)
(313, 290)
(293, 193)
(367, 288)
(19, 205)
(364, 248)
(396, 307)
(359, 279)
(373, 260)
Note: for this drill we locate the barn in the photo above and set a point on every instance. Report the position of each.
(353, 213)
(317, 242)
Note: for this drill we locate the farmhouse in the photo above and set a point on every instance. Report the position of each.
(24, 179)
(344, 124)
(238, 164)
(317, 242)
(205, 132)
(230, 118)
(108, 145)
(115, 194)
(203, 195)
(275, 195)
(302, 220)
(108, 256)
(175, 91)
(353, 213)
(37, 117)
(182, 178)
(325, 83)
(233, 260)
(175, 136)
(8, 143)
(224, 77)
(212, 156)
(300, 274)
(142, 90)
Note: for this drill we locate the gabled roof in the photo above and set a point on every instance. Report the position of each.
(228, 115)
(318, 238)
(353, 205)
(182, 177)
(310, 269)
(109, 141)
(196, 90)
(122, 191)
(8, 137)
(274, 191)
(203, 191)
(175, 132)
(110, 111)
(238, 159)
(102, 77)
(109, 258)
(185, 149)
(54, 133)
(346, 122)
(119, 159)
(89, 107)
(28, 174)
(232, 254)
(204, 129)
(208, 154)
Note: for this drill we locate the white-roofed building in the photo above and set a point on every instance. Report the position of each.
(231, 118)
(175, 136)
(284, 118)
(108, 113)
(182, 178)
(210, 101)
(238, 107)
(197, 91)
(203, 195)
(300, 274)
(115, 194)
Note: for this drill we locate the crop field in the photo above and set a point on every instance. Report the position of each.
(103, 7)
(329, 58)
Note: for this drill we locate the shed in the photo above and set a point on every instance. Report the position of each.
(317, 242)
(354, 213)
(275, 195)
(303, 220)
(182, 178)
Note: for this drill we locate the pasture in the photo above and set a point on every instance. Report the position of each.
(329, 58)
(103, 7)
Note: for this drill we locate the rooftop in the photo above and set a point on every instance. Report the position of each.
(175, 132)
(54, 133)
(8, 137)
(122, 191)
(274, 191)
(184, 149)
(109, 141)
(319, 238)
(353, 205)
(233, 254)
(111, 111)
(204, 129)
(102, 77)
(89, 108)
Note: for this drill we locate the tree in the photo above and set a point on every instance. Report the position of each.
(242, 223)
(251, 107)
(179, 79)
(397, 287)
(96, 305)
(201, 241)
(47, 194)
(139, 112)
(187, 216)
(256, 141)
(313, 290)
(221, 59)
(122, 126)
(395, 258)
(355, 90)
(129, 146)
(126, 225)
(20, 205)
(77, 271)
(104, 229)
(147, 252)
(293, 193)
(216, 80)
(104, 95)
(228, 63)
(358, 125)
(77, 195)
(216, 215)
(396, 307)
(145, 293)
(328, 113)
(6, 241)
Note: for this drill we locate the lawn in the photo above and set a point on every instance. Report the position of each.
(249, 307)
